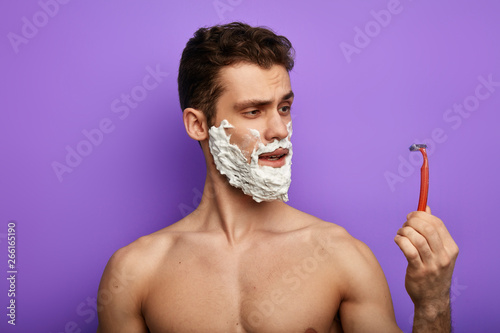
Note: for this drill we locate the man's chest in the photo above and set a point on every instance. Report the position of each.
(260, 292)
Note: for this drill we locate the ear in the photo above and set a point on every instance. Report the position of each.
(195, 124)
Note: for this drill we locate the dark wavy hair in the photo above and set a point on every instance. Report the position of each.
(210, 49)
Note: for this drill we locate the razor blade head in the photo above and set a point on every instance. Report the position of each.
(417, 146)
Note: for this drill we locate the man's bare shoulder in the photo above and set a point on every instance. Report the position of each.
(148, 249)
(337, 240)
(126, 281)
(351, 261)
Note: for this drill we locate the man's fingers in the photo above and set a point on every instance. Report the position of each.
(419, 242)
(425, 223)
(429, 232)
(409, 251)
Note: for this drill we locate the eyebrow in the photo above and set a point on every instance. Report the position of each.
(259, 102)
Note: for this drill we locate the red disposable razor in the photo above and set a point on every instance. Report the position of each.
(424, 176)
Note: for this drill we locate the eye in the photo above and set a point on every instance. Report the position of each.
(285, 109)
(252, 113)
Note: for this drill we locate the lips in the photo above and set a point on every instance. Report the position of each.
(275, 158)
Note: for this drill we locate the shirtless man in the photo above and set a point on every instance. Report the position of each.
(244, 261)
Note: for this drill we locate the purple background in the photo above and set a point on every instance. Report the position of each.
(354, 118)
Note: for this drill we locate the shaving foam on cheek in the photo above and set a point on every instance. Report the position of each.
(263, 183)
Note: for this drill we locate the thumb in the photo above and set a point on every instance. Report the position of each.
(428, 210)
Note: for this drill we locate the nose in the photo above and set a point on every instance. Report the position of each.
(276, 127)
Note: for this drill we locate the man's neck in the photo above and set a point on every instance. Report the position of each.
(227, 209)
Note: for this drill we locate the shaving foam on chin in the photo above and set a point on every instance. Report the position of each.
(263, 183)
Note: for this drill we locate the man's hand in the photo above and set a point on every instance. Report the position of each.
(431, 255)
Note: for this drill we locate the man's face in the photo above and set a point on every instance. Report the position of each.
(250, 140)
(256, 100)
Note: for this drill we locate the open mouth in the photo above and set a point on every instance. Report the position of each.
(272, 158)
(276, 155)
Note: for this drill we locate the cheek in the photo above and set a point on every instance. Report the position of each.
(246, 141)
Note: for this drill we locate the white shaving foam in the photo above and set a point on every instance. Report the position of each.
(263, 183)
